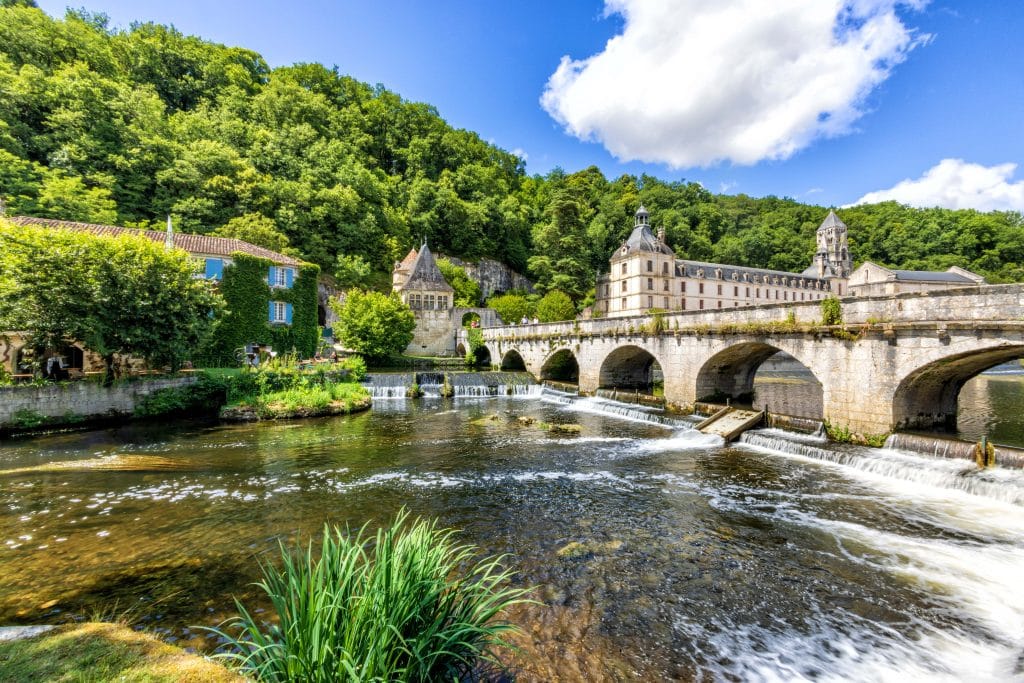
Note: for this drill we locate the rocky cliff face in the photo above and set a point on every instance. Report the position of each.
(493, 277)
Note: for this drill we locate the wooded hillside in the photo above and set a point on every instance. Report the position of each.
(126, 126)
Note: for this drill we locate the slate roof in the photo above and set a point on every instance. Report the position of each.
(193, 244)
(642, 239)
(425, 274)
(832, 221)
(685, 268)
(930, 276)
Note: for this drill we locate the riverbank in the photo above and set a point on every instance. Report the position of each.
(99, 651)
(300, 402)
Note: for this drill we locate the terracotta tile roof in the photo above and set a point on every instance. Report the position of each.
(408, 261)
(193, 244)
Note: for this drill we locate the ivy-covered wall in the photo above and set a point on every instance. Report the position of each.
(247, 296)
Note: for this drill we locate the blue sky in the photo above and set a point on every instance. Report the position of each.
(825, 101)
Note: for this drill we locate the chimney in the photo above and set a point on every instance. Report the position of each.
(661, 234)
(169, 239)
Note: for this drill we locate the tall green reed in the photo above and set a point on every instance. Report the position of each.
(412, 605)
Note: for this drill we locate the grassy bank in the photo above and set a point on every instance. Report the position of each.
(104, 652)
(310, 400)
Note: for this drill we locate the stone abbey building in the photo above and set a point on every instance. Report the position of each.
(645, 274)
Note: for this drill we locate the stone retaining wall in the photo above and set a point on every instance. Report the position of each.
(80, 400)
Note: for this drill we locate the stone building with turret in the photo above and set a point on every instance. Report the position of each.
(645, 275)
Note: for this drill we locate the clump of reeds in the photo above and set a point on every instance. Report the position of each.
(410, 606)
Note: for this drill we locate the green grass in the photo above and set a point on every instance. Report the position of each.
(312, 398)
(104, 652)
(411, 605)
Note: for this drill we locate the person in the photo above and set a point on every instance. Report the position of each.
(524, 321)
(535, 320)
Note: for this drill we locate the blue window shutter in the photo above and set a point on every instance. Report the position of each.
(289, 277)
(214, 269)
(270, 315)
(288, 313)
(270, 276)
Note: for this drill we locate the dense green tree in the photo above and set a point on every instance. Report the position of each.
(555, 306)
(373, 324)
(352, 270)
(117, 295)
(254, 228)
(467, 291)
(512, 307)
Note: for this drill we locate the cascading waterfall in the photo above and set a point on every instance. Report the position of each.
(1006, 485)
(388, 385)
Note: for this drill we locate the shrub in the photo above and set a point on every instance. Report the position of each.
(205, 396)
(417, 607)
(375, 325)
(831, 311)
(554, 307)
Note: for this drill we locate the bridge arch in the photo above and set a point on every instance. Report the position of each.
(512, 360)
(630, 367)
(927, 397)
(731, 373)
(561, 366)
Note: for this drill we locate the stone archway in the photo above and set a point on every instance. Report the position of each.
(927, 397)
(632, 368)
(790, 388)
(561, 366)
(512, 361)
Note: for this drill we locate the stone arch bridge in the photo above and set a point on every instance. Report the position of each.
(896, 361)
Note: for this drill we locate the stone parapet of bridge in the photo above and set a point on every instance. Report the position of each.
(895, 362)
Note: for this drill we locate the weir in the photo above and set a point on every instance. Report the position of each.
(395, 385)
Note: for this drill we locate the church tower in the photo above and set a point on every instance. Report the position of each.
(833, 254)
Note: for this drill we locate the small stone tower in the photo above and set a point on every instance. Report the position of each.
(833, 255)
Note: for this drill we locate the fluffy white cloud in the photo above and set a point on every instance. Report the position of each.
(956, 184)
(693, 82)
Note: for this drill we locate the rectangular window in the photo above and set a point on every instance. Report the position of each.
(700, 289)
(719, 304)
(650, 302)
(666, 287)
(682, 286)
(415, 301)
(623, 285)
(623, 304)
(650, 283)
(682, 304)
(702, 304)
(785, 296)
(442, 302)
(666, 304)
(650, 266)
(281, 276)
(280, 312)
(758, 293)
(735, 291)
(719, 290)
(747, 292)
(664, 269)
(623, 268)
(428, 301)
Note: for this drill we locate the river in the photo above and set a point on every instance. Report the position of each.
(658, 553)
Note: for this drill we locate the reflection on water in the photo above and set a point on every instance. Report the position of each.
(777, 559)
(992, 405)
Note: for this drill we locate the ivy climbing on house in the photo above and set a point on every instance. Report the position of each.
(247, 296)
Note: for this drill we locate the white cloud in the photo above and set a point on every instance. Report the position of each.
(957, 184)
(694, 82)
(521, 153)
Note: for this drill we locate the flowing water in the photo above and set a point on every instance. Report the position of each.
(658, 553)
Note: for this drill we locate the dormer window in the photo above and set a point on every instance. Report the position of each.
(718, 273)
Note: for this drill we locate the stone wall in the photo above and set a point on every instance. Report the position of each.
(434, 334)
(83, 400)
(493, 276)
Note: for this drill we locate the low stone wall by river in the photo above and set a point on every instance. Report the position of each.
(79, 400)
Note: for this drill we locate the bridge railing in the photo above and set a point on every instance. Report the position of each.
(971, 304)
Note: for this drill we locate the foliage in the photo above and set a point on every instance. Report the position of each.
(831, 311)
(512, 307)
(307, 398)
(374, 325)
(206, 396)
(467, 291)
(843, 434)
(26, 418)
(555, 306)
(477, 353)
(117, 295)
(108, 125)
(247, 297)
(417, 607)
(254, 228)
(352, 270)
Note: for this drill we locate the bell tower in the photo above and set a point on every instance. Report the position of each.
(833, 254)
